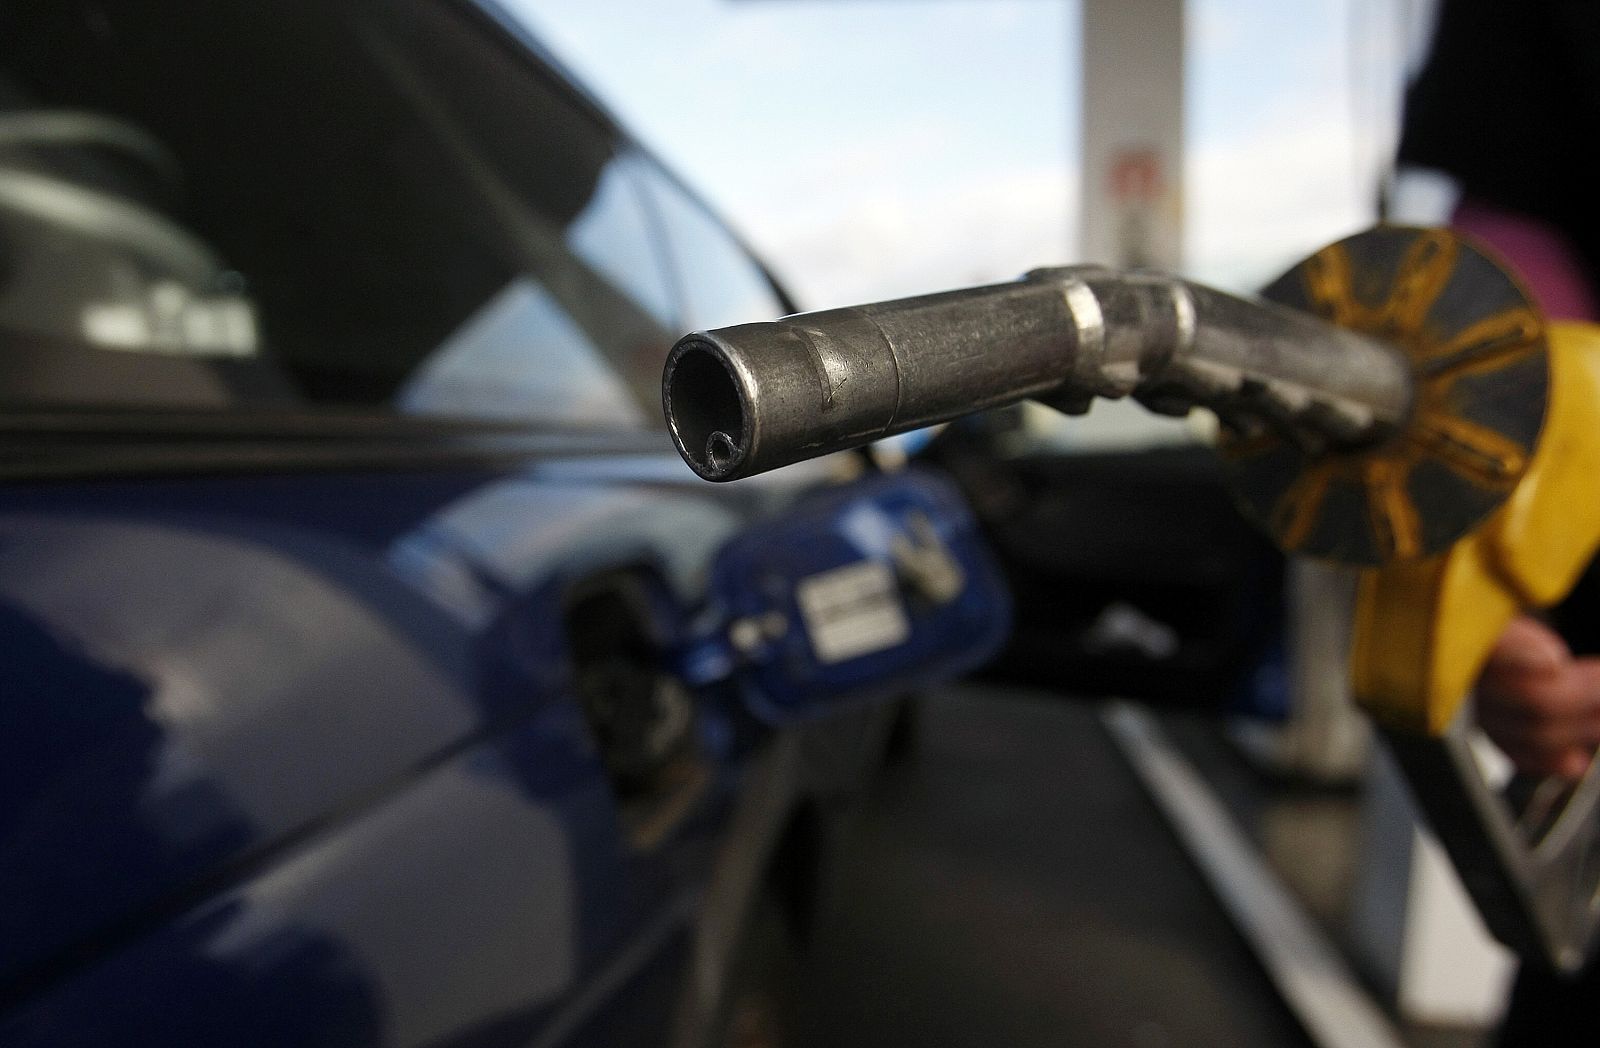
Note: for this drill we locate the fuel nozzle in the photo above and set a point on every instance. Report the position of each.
(1381, 399)
(742, 400)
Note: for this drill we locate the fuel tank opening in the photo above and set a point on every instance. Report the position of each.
(705, 411)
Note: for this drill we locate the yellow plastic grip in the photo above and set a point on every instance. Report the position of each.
(1423, 629)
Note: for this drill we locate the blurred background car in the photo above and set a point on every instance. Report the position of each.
(371, 671)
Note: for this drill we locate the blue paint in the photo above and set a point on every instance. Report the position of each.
(758, 574)
(258, 785)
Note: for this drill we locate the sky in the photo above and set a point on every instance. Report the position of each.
(875, 148)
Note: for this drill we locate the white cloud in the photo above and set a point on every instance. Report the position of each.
(867, 149)
(885, 244)
(1259, 204)
(843, 230)
(859, 148)
(1255, 205)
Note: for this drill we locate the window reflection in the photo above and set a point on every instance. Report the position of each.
(722, 284)
(611, 234)
(483, 368)
(408, 212)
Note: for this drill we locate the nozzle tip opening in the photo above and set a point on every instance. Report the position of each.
(705, 411)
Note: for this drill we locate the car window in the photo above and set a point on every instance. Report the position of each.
(372, 205)
(482, 368)
(722, 284)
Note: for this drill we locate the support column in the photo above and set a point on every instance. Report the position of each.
(1132, 194)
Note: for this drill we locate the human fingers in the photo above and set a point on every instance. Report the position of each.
(1586, 672)
(1547, 723)
(1527, 647)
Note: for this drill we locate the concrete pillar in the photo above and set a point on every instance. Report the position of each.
(1132, 194)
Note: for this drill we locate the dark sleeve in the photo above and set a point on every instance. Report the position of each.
(1507, 104)
(1577, 28)
(1578, 617)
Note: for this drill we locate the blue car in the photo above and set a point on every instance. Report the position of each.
(371, 671)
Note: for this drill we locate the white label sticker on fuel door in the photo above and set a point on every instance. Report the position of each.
(852, 611)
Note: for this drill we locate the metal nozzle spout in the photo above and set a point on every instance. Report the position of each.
(706, 409)
(746, 399)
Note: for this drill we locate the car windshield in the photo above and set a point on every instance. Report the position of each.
(381, 206)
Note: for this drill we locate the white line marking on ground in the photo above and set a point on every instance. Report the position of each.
(1310, 974)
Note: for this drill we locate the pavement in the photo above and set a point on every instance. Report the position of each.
(1010, 883)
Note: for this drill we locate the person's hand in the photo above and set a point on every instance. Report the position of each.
(1538, 703)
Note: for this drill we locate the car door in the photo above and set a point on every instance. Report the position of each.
(330, 571)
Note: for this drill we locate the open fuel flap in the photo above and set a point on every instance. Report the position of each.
(863, 592)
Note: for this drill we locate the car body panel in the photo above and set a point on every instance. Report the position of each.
(315, 739)
(192, 691)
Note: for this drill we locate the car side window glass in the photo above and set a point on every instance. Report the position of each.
(581, 329)
(482, 368)
(721, 283)
(371, 206)
(613, 235)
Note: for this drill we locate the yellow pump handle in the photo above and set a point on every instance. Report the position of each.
(1424, 628)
